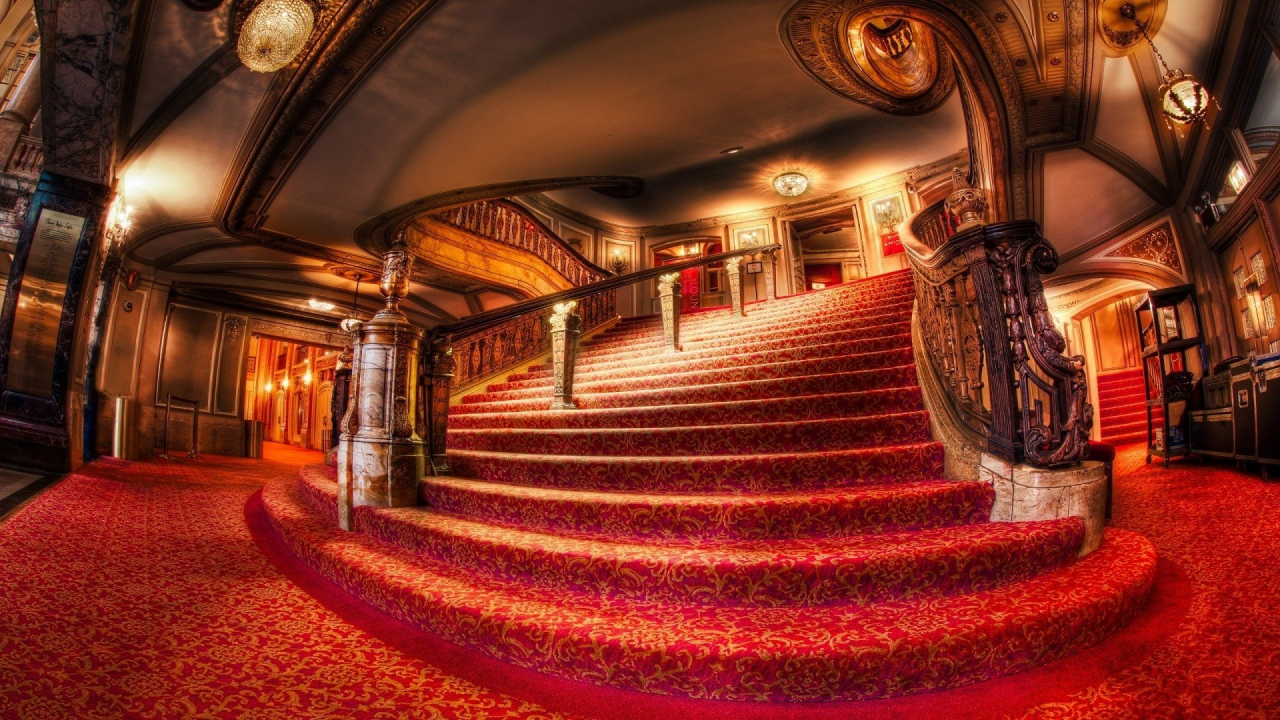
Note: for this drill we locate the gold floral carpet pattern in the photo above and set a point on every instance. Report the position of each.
(760, 516)
(136, 590)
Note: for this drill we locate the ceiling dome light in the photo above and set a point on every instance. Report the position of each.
(320, 305)
(733, 150)
(274, 33)
(790, 184)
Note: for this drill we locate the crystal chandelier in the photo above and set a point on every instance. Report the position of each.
(790, 184)
(1183, 99)
(274, 33)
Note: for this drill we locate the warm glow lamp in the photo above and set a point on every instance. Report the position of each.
(1183, 99)
(790, 184)
(274, 33)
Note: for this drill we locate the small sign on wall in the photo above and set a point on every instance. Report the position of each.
(754, 268)
(889, 214)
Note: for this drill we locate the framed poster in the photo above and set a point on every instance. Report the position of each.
(887, 214)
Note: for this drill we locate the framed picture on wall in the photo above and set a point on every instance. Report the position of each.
(887, 214)
(754, 236)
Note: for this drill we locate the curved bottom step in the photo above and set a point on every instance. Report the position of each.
(763, 654)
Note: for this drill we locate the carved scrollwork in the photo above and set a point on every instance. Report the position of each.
(989, 336)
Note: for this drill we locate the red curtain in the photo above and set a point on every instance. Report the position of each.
(825, 274)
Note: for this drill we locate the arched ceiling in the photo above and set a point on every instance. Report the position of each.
(494, 91)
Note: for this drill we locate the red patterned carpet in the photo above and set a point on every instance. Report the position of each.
(760, 516)
(137, 590)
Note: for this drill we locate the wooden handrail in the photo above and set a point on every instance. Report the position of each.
(497, 316)
(990, 340)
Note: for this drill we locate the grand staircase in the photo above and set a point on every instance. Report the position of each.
(761, 516)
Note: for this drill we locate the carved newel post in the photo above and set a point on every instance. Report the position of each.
(439, 367)
(966, 202)
(733, 271)
(386, 449)
(566, 326)
(669, 292)
(769, 261)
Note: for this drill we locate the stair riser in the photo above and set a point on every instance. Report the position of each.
(805, 436)
(815, 407)
(676, 364)
(846, 363)
(726, 392)
(724, 473)
(711, 518)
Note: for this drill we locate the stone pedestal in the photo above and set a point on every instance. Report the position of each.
(669, 294)
(381, 455)
(1029, 493)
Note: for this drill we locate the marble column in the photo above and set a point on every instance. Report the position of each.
(669, 292)
(22, 109)
(44, 310)
(566, 326)
(733, 271)
(384, 458)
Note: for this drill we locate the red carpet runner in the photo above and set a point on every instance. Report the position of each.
(1122, 405)
(760, 517)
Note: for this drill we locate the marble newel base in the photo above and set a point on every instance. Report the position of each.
(1029, 493)
(378, 473)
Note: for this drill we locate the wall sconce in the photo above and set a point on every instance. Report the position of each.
(618, 262)
(267, 387)
(285, 383)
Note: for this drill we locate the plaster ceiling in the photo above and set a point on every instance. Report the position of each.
(491, 91)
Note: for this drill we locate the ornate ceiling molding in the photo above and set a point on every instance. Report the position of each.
(882, 56)
(1154, 244)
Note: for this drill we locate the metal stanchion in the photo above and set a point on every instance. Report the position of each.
(195, 425)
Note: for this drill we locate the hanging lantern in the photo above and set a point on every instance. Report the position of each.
(274, 33)
(1183, 99)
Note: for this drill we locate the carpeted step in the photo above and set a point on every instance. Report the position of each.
(742, 344)
(728, 323)
(848, 382)
(745, 473)
(804, 407)
(734, 332)
(772, 573)
(831, 513)
(1126, 428)
(676, 362)
(740, 653)
(1126, 439)
(791, 436)
(1122, 396)
(791, 368)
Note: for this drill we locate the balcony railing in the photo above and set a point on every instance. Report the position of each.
(990, 339)
(505, 222)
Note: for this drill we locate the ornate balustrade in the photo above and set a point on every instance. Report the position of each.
(506, 222)
(489, 343)
(990, 339)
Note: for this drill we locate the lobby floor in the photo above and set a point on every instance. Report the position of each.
(157, 589)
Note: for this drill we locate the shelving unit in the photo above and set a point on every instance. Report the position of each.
(1173, 357)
